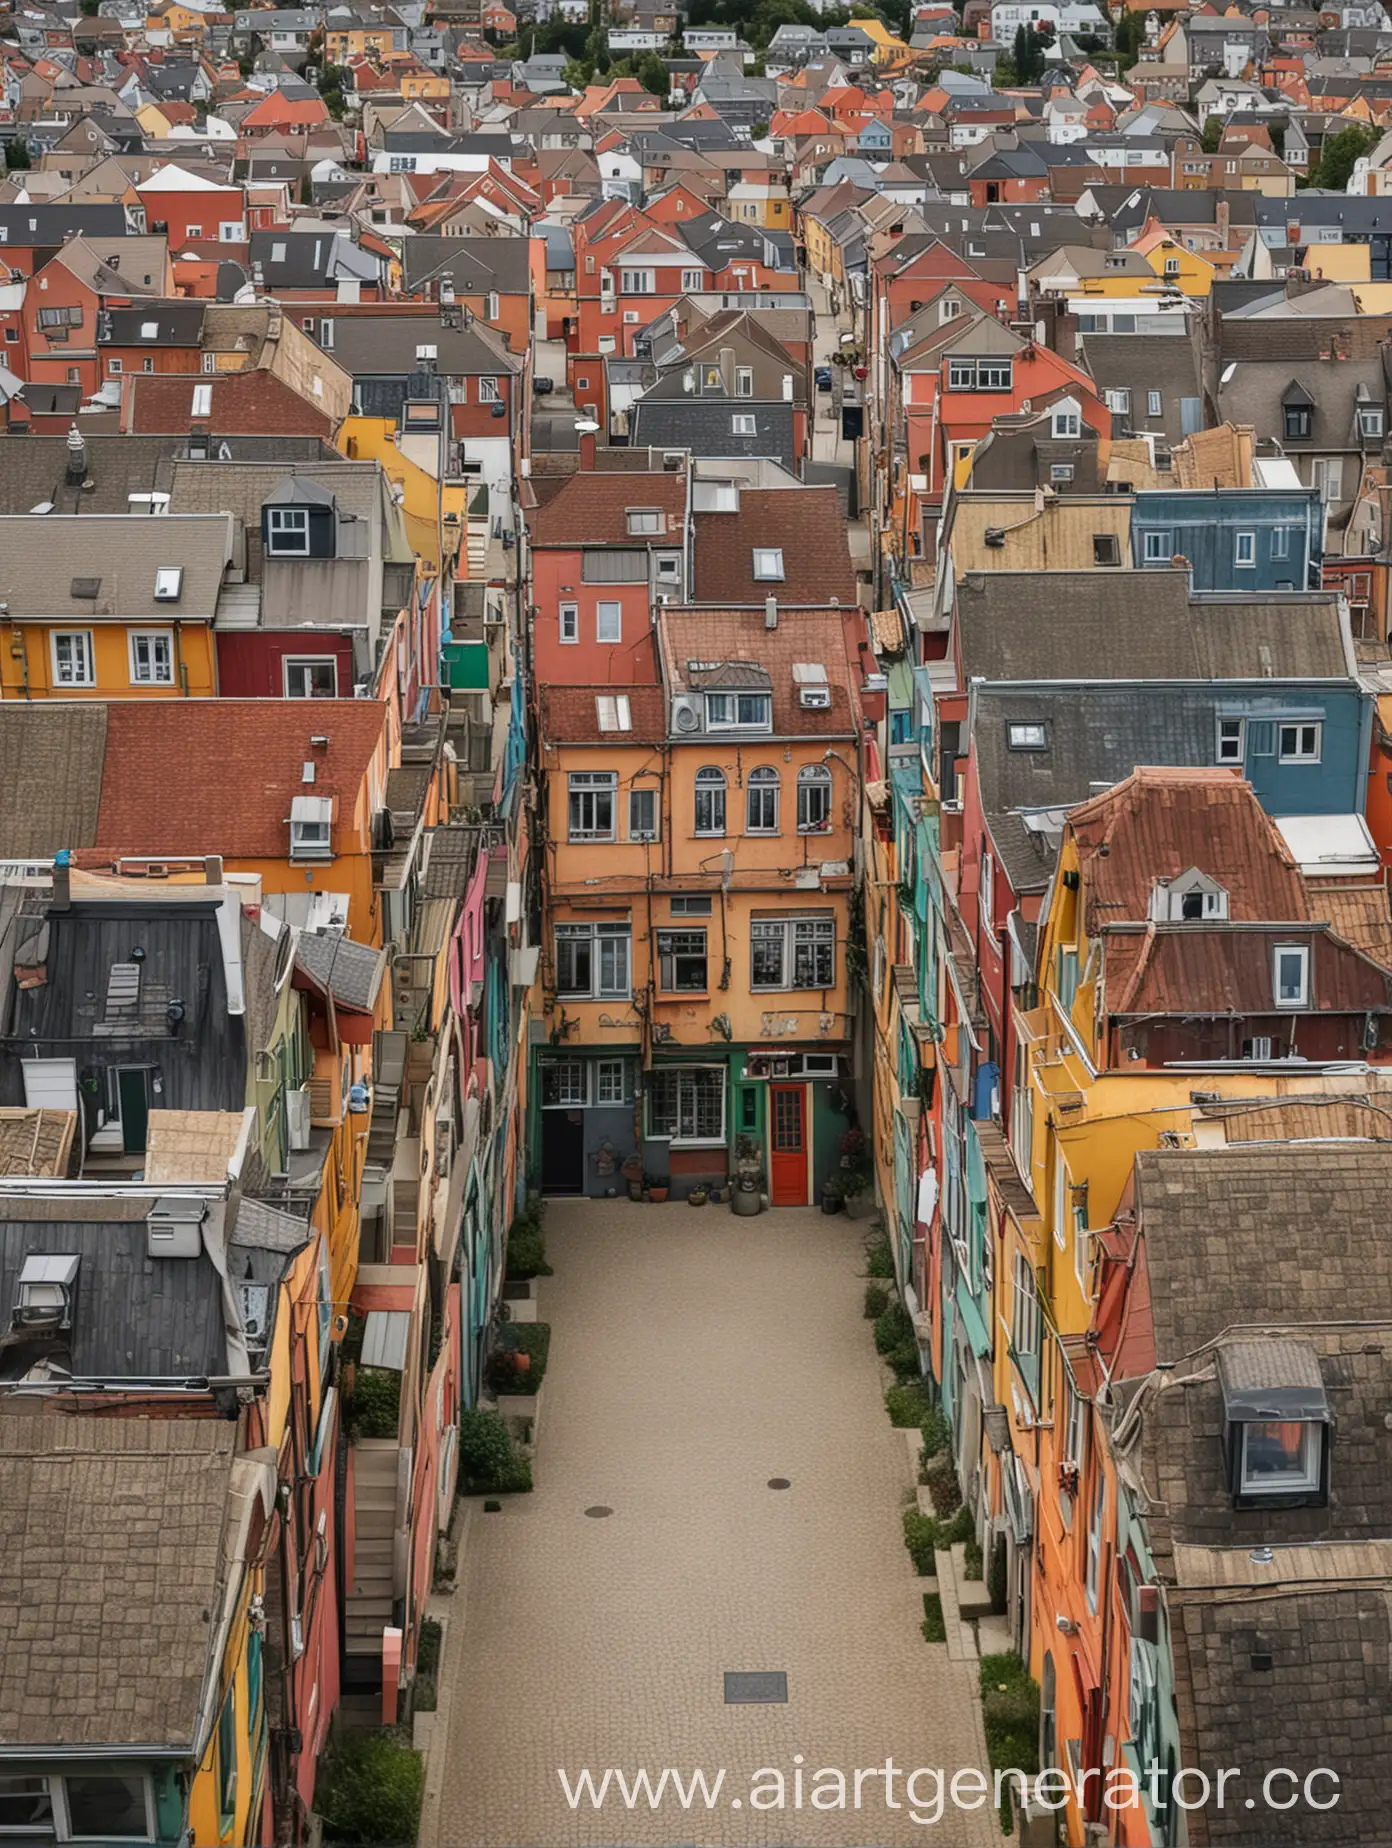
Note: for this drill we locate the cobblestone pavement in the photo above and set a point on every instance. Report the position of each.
(694, 1356)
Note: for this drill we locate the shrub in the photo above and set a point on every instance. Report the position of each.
(996, 1575)
(879, 1256)
(903, 1363)
(906, 1404)
(1010, 1717)
(934, 1628)
(936, 1435)
(376, 1405)
(530, 1338)
(423, 1694)
(489, 1461)
(526, 1249)
(893, 1328)
(369, 1792)
(940, 1474)
(972, 1560)
(428, 1648)
(923, 1537)
(876, 1301)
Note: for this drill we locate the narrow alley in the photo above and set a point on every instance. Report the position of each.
(696, 1358)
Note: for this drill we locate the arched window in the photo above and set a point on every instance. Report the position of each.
(710, 801)
(813, 798)
(761, 815)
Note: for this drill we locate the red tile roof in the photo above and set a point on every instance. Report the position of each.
(569, 715)
(592, 509)
(1158, 823)
(243, 404)
(805, 524)
(813, 637)
(219, 775)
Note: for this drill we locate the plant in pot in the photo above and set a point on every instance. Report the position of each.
(657, 1188)
(833, 1194)
(697, 1197)
(857, 1173)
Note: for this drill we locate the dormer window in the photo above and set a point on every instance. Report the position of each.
(1291, 974)
(287, 532)
(739, 712)
(1276, 1422)
(1192, 898)
(311, 819)
(1067, 422)
(644, 522)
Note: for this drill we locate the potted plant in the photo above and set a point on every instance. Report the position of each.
(857, 1173)
(657, 1189)
(833, 1194)
(697, 1197)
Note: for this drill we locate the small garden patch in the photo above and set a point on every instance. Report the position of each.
(1010, 1716)
(369, 1793)
(876, 1300)
(926, 1536)
(907, 1404)
(489, 1461)
(879, 1256)
(526, 1246)
(375, 1407)
(940, 1476)
(518, 1362)
(934, 1626)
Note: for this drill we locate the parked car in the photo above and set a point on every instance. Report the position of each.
(542, 386)
(823, 378)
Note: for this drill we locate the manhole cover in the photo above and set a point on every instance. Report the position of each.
(779, 1482)
(768, 1688)
(598, 1513)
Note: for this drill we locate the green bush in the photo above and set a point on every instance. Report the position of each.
(376, 1403)
(369, 1792)
(428, 1648)
(489, 1461)
(972, 1560)
(926, 1535)
(526, 1250)
(903, 1363)
(879, 1256)
(934, 1628)
(1010, 1717)
(996, 1575)
(893, 1327)
(940, 1474)
(906, 1404)
(876, 1300)
(423, 1694)
(936, 1433)
(530, 1338)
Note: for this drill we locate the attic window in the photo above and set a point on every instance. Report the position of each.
(613, 712)
(1106, 549)
(310, 823)
(1291, 974)
(169, 581)
(202, 401)
(1027, 735)
(1276, 1417)
(149, 330)
(768, 563)
(643, 521)
(85, 587)
(287, 532)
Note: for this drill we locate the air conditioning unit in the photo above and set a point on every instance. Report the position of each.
(815, 696)
(686, 715)
(297, 1112)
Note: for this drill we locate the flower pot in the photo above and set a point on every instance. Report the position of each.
(697, 1197)
(831, 1203)
(658, 1195)
(635, 1190)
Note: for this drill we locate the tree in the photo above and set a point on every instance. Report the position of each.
(17, 153)
(1019, 56)
(1212, 134)
(1337, 157)
(578, 73)
(652, 73)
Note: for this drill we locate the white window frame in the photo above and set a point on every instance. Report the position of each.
(1157, 548)
(591, 785)
(1370, 422)
(62, 1816)
(488, 392)
(155, 638)
(1067, 425)
(1280, 541)
(763, 781)
(1245, 551)
(311, 834)
(1097, 1514)
(669, 956)
(1301, 951)
(608, 617)
(737, 722)
(692, 281)
(814, 777)
(598, 932)
(816, 932)
(202, 401)
(712, 782)
(687, 1074)
(1118, 401)
(570, 623)
(744, 381)
(283, 523)
(637, 282)
(645, 522)
(768, 564)
(113, 366)
(1027, 735)
(571, 1101)
(1024, 1310)
(604, 1070)
(1297, 754)
(1230, 731)
(744, 424)
(87, 649)
(1155, 404)
(648, 794)
(289, 663)
(1311, 1456)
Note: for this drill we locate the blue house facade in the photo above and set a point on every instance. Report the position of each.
(1242, 539)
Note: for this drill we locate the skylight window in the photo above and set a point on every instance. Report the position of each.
(768, 563)
(613, 712)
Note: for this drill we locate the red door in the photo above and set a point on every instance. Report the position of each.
(789, 1163)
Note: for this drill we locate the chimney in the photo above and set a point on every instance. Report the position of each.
(77, 458)
(770, 612)
(212, 869)
(62, 881)
(587, 450)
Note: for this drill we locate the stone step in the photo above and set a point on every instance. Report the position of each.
(373, 1523)
(375, 1603)
(973, 1599)
(961, 1641)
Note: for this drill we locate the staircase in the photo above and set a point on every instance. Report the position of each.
(370, 1596)
(477, 546)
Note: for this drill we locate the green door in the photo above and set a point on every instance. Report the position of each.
(133, 1091)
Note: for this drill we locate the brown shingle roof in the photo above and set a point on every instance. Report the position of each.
(1197, 968)
(110, 1535)
(805, 524)
(569, 715)
(51, 756)
(592, 509)
(814, 637)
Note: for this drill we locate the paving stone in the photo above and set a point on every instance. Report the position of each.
(693, 1357)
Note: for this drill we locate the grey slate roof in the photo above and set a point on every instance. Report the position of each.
(43, 562)
(119, 466)
(1140, 625)
(371, 344)
(473, 264)
(351, 972)
(705, 429)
